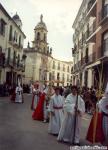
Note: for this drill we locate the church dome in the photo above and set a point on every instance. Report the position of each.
(41, 24)
(17, 20)
(16, 17)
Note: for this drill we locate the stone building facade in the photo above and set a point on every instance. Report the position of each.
(90, 39)
(12, 60)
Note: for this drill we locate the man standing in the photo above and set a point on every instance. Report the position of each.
(74, 108)
(56, 113)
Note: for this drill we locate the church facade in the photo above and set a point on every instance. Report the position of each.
(40, 62)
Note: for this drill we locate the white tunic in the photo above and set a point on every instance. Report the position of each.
(56, 106)
(36, 97)
(67, 129)
(103, 107)
(19, 98)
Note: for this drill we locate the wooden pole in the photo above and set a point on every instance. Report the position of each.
(99, 94)
(75, 118)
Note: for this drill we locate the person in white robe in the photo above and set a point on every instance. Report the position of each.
(103, 107)
(56, 113)
(19, 94)
(36, 95)
(68, 127)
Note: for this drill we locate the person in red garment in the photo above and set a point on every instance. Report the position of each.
(38, 113)
(99, 132)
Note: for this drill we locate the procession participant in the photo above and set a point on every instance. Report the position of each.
(50, 92)
(38, 113)
(35, 97)
(56, 113)
(19, 94)
(70, 129)
(31, 89)
(98, 129)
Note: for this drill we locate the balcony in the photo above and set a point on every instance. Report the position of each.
(103, 15)
(91, 35)
(91, 8)
(15, 44)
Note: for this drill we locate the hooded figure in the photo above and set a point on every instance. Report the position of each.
(19, 94)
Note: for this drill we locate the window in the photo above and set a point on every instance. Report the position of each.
(86, 57)
(19, 41)
(44, 50)
(58, 65)
(44, 37)
(63, 67)
(0, 76)
(53, 75)
(53, 64)
(14, 57)
(50, 76)
(68, 69)
(38, 36)
(15, 36)
(18, 61)
(105, 43)
(58, 76)
(105, 8)
(0, 49)
(2, 27)
(10, 33)
(9, 54)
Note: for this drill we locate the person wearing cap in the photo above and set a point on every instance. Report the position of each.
(70, 131)
(56, 113)
(99, 132)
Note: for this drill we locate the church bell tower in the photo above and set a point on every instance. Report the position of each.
(40, 39)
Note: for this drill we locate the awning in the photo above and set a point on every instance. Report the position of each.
(94, 64)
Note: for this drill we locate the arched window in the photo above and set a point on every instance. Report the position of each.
(38, 36)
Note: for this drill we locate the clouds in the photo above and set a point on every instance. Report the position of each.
(58, 16)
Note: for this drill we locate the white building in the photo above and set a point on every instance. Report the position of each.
(12, 60)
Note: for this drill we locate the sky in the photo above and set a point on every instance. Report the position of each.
(58, 16)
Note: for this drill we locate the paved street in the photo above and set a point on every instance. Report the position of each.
(19, 132)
